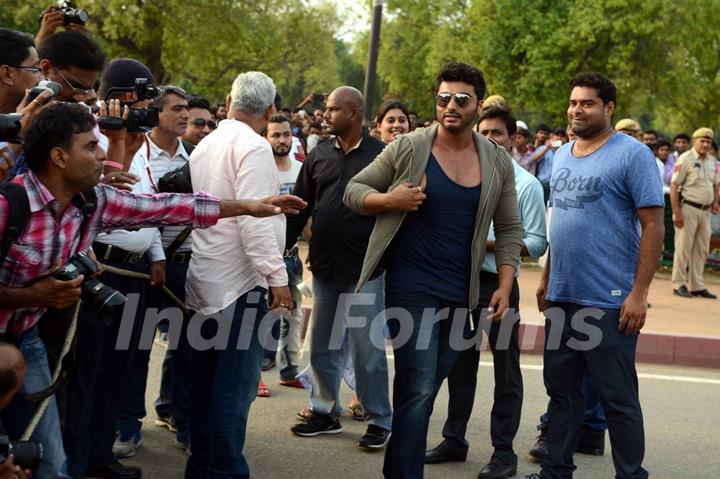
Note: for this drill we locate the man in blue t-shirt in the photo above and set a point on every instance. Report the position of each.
(606, 233)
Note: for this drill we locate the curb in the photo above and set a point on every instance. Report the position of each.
(653, 348)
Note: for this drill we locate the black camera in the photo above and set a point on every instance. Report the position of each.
(104, 300)
(27, 453)
(41, 87)
(73, 14)
(139, 120)
(10, 127)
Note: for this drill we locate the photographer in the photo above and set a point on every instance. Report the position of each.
(64, 161)
(66, 16)
(68, 58)
(95, 384)
(12, 373)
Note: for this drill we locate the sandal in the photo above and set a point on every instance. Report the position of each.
(356, 411)
(263, 390)
(304, 414)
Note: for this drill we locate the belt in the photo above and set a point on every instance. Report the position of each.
(696, 205)
(112, 253)
(180, 258)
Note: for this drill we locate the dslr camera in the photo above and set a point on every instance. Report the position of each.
(139, 119)
(104, 300)
(10, 122)
(27, 453)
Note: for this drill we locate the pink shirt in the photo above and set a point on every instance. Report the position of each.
(237, 254)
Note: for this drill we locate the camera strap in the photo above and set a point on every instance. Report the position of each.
(18, 215)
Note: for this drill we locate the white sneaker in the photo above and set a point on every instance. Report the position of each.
(127, 448)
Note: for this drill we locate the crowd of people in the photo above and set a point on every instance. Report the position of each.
(415, 235)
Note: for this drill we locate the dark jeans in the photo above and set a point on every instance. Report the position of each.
(594, 417)
(611, 365)
(223, 385)
(174, 384)
(508, 396)
(419, 371)
(94, 385)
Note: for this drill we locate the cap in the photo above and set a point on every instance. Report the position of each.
(521, 124)
(627, 124)
(122, 72)
(494, 100)
(703, 133)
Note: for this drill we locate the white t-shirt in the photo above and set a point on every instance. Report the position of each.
(289, 177)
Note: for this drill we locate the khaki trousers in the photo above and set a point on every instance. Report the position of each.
(692, 245)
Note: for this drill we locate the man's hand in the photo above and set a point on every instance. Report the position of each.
(29, 110)
(633, 313)
(52, 19)
(281, 298)
(6, 162)
(406, 197)
(114, 109)
(499, 304)
(540, 294)
(55, 294)
(274, 205)
(8, 470)
(677, 218)
(121, 180)
(157, 274)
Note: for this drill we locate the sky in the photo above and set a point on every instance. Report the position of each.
(356, 16)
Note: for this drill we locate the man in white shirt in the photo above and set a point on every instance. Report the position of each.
(233, 265)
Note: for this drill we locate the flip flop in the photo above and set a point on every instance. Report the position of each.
(304, 414)
(356, 412)
(292, 383)
(263, 390)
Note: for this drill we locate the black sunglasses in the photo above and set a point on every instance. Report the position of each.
(200, 123)
(461, 99)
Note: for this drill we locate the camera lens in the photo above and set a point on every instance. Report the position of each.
(104, 300)
(27, 454)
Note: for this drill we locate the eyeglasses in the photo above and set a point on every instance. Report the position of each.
(461, 99)
(33, 70)
(200, 123)
(75, 90)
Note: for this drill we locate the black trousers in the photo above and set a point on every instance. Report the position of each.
(94, 385)
(508, 396)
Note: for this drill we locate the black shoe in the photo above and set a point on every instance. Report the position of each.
(116, 471)
(317, 424)
(540, 451)
(497, 469)
(268, 364)
(446, 451)
(375, 437)
(591, 442)
(533, 476)
(682, 291)
(704, 293)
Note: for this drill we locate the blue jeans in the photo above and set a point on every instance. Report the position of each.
(611, 365)
(287, 330)
(336, 307)
(223, 385)
(419, 372)
(174, 384)
(17, 415)
(594, 415)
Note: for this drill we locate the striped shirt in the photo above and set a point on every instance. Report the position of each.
(46, 241)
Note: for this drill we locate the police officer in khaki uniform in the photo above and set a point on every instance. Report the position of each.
(693, 195)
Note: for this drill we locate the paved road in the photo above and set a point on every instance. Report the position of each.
(682, 420)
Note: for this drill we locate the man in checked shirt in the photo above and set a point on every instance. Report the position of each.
(65, 160)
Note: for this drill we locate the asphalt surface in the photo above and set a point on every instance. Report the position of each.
(682, 425)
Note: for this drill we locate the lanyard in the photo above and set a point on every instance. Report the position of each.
(147, 165)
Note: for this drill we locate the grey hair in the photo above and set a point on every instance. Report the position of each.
(252, 93)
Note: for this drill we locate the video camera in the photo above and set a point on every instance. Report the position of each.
(140, 119)
(104, 300)
(27, 453)
(10, 122)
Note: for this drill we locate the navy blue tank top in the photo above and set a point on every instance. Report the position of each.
(431, 252)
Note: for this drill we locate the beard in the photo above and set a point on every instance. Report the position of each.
(281, 150)
(588, 129)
